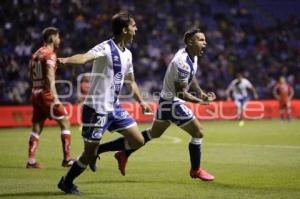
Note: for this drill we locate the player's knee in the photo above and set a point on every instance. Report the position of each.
(86, 158)
(137, 142)
(37, 130)
(156, 134)
(64, 123)
(89, 153)
(199, 133)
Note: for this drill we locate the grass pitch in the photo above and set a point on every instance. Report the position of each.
(258, 161)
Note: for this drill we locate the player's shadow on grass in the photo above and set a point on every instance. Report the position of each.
(28, 194)
(12, 167)
(121, 181)
(212, 185)
(58, 168)
(111, 181)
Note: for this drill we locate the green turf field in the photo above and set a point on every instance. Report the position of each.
(259, 160)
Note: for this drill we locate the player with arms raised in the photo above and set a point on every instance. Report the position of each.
(44, 97)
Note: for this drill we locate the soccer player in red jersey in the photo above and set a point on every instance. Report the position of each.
(283, 92)
(44, 98)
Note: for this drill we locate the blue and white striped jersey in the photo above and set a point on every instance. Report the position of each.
(181, 69)
(110, 67)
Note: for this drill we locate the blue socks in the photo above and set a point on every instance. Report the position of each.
(146, 138)
(73, 172)
(114, 145)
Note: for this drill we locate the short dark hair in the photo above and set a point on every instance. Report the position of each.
(48, 32)
(120, 21)
(190, 33)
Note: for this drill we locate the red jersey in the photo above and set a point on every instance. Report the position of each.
(42, 99)
(41, 60)
(283, 90)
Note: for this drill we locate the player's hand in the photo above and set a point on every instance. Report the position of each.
(208, 97)
(211, 96)
(62, 60)
(203, 102)
(146, 109)
(56, 101)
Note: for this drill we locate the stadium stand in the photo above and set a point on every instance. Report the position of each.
(249, 36)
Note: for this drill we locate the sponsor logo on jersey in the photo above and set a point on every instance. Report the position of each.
(118, 81)
(116, 58)
(118, 78)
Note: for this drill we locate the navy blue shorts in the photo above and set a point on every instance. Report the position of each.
(241, 102)
(174, 111)
(95, 124)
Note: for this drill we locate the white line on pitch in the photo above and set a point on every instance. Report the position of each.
(174, 140)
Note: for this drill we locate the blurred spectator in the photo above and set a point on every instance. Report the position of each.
(241, 37)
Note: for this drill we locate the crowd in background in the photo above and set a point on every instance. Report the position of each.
(241, 36)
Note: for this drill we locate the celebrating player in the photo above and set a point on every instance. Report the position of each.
(238, 88)
(283, 92)
(179, 77)
(101, 110)
(44, 98)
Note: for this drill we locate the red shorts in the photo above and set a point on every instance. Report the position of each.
(283, 104)
(43, 107)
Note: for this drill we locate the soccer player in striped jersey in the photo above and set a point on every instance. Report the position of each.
(112, 64)
(238, 88)
(180, 76)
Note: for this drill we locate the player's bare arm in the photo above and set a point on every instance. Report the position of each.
(275, 92)
(210, 96)
(228, 93)
(133, 87)
(292, 92)
(196, 88)
(77, 59)
(255, 95)
(182, 93)
(50, 77)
